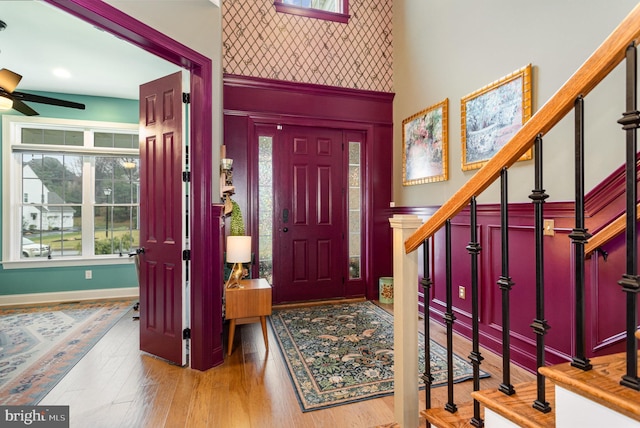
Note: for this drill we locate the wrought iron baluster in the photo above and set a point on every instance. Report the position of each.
(474, 250)
(505, 283)
(426, 291)
(449, 318)
(579, 237)
(539, 324)
(630, 281)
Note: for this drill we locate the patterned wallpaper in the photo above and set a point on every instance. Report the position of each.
(259, 42)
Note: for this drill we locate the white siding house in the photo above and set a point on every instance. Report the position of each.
(42, 209)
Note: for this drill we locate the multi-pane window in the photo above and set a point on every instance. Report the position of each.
(326, 5)
(74, 189)
(331, 10)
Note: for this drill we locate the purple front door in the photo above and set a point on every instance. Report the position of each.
(309, 213)
(161, 216)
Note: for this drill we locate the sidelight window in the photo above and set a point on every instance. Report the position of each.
(355, 211)
(265, 208)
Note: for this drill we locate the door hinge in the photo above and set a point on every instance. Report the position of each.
(186, 176)
(186, 255)
(186, 97)
(186, 333)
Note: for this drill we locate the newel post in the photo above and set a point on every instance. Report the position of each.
(405, 322)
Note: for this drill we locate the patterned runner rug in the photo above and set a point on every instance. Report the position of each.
(40, 344)
(339, 354)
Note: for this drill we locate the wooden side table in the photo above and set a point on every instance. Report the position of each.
(248, 304)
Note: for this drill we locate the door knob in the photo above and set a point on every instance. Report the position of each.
(137, 252)
(285, 229)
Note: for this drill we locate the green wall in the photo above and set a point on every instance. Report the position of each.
(72, 278)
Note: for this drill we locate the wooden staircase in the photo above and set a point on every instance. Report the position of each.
(562, 386)
(600, 385)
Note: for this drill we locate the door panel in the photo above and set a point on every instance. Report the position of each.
(161, 214)
(309, 220)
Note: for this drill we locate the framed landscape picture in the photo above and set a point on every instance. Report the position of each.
(492, 115)
(425, 145)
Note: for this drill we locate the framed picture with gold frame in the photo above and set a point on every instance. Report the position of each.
(425, 144)
(492, 115)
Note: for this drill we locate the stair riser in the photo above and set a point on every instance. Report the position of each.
(573, 410)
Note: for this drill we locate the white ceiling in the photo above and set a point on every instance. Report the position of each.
(40, 38)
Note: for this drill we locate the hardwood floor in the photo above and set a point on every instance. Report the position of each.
(116, 385)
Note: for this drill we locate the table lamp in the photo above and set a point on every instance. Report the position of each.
(238, 252)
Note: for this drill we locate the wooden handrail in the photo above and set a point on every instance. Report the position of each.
(608, 232)
(610, 53)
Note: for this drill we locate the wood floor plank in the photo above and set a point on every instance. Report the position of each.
(115, 384)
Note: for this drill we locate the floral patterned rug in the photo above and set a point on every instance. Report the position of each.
(339, 354)
(40, 344)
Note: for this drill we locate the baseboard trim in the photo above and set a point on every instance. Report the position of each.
(69, 296)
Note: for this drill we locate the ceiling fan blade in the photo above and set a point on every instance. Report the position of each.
(46, 100)
(23, 108)
(9, 80)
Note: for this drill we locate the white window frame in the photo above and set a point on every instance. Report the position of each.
(12, 193)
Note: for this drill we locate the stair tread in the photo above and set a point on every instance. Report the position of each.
(518, 407)
(600, 384)
(441, 418)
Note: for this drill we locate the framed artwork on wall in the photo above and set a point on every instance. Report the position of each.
(425, 143)
(492, 115)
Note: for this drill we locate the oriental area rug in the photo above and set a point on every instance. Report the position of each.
(343, 353)
(39, 344)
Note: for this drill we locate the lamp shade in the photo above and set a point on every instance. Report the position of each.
(226, 163)
(5, 103)
(238, 249)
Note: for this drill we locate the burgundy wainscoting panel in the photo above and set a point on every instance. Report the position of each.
(522, 296)
(558, 280)
(559, 296)
(606, 302)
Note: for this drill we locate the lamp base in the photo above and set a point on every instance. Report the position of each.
(237, 273)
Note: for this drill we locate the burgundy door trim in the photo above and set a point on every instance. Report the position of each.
(206, 277)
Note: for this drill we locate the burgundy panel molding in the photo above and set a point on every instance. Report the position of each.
(255, 96)
(606, 302)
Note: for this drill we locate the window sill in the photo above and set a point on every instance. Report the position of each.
(312, 13)
(54, 263)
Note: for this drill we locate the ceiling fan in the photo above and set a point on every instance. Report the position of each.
(13, 99)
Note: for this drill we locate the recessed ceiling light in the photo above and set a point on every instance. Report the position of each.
(61, 73)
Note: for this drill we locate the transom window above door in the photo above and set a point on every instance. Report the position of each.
(330, 10)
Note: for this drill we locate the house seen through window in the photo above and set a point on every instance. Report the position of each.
(75, 191)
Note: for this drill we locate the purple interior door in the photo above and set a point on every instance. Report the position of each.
(309, 215)
(161, 214)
